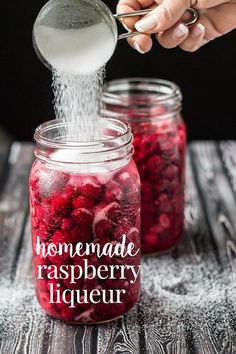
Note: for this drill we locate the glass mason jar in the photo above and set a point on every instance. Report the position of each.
(85, 216)
(152, 109)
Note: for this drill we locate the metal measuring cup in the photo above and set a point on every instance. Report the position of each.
(77, 14)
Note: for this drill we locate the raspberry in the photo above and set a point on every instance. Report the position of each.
(132, 210)
(50, 272)
(103, 229)
(38, 260)
(150, 243)
(134, 236)
(164, 221)
(113, 193)
(42, 284)
(136, 142)
(91, 188)
(102, 312)
(170, 172)
(44, 300)
(164, 204)
(78, 260)
(82, 202)
(116, 284)
(81, 234)
(163, 186)
(120, 231)
(78, 282)
(82, 217)
(90, 284)
(44, 233)
(113, 212)
(67, 224)
(157, 229)
(147, 145)
(155, 164)
(61, 237)
(166, 241)
(60, 205)
(146, 198)
(59, 259)
(70, 191)
(62, 306)
(52, 282)
(125, 180)
(34, 181)
(146, 187)
(41, 213)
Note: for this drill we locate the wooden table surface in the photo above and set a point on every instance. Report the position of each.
(210, 218)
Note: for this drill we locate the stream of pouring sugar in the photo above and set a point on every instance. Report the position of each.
(77, 57)
(77, 100)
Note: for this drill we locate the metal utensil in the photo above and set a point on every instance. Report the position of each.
(194, 13)
(79, 14)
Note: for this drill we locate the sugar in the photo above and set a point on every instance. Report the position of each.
(77, 100)
(77, 51)
(19, 309)
(177, 292)
(187, 292)
(77, 57)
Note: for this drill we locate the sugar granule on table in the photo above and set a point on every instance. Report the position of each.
(176, 292)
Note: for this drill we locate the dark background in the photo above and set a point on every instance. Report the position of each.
(207, 77)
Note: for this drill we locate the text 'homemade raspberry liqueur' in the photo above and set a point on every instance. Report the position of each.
(152, 108)
(85, 215)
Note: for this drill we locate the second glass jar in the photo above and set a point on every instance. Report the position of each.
(152, 108)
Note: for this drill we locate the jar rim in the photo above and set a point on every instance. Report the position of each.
(45, 127)
(167, 89)
(114, 145)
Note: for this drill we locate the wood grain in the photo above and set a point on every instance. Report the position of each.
(14, 207)
(219, 206)
(210, 218)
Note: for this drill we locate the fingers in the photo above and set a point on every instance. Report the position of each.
(173, 37)
(163, 17)
(125, 6)
(215, 21)
(180, 35)
(142, 43)
(195, 38)
(166, 14)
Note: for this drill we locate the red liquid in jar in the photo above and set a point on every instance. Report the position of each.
(71, 208)
(160, 158)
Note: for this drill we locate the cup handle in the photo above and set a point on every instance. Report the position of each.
(194, 19)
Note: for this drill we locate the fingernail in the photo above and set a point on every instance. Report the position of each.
(197, 30)
(146, 24)
(125, 27)
(137, 47)
(180, 31)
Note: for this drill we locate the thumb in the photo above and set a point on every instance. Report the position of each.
(163, 16)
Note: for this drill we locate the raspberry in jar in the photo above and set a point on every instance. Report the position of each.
(85, 216)
(152, 108)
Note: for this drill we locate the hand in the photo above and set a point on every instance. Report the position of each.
(166, 21)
